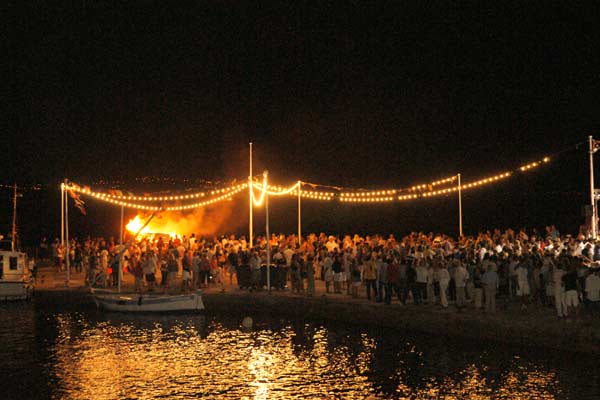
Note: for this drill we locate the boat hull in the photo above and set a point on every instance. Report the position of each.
(15, 291)
(134, 302)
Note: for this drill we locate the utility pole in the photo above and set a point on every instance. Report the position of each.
(13, 234)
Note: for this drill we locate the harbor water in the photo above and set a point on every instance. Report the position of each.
(73, 351)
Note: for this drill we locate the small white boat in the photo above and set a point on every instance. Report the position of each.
(148, 302)
(16, 282)
(15, 277)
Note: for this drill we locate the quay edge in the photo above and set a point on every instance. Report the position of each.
(573, 337)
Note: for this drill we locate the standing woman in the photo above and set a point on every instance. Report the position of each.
(431, 280)
(523, 290)
(172, 269)
(138, 272)
(370, 276)
(355, 275)
(163, 259)
(478, 287)
(310, 274)
(328, 272)
(337, 275)
(215, 272)
(444, 279)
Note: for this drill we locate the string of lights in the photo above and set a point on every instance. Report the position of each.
(316, 195)
(224, 194)
(217, 199)
(277, 190)
(258, 202)
(344, 195)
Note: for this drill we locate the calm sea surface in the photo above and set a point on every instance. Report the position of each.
(76, 352)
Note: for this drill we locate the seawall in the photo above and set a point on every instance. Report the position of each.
(534, 329)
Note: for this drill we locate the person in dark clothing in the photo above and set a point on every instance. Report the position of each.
(411, 285)
(392, 280)
(337, 271)
(572, 291)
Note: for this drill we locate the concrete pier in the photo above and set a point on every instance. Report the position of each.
(536, 326)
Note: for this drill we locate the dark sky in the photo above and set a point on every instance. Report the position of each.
(349, 93)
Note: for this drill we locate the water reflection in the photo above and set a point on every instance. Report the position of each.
(190, 357)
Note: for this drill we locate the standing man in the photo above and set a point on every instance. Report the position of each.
(572, 291)
(490, 284)
(255, 270)
(559, 290)
(461, 275)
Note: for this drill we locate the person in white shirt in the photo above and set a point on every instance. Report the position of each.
(559, 291)
(288, 254)
(523, 290)
(444, 279)
(461, 275)
(421, 280)
(592, 288)
(331, 244)
(430, 280)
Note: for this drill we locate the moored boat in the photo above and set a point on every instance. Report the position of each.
(148, 302)
(16, 282)
(15, 277)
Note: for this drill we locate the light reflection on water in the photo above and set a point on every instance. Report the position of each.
(95, 356)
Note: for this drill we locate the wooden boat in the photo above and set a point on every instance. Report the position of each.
(148, 302)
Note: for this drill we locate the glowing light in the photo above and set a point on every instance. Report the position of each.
(258, 203)
(230, 191)
(277, 190)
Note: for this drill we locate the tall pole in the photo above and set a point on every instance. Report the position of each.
(67, 240)
(13, 234)
(250, 199)
(62, 214)
(299, 213)
(460, 228)
(121, 248)
(268, 242)
(592, 194)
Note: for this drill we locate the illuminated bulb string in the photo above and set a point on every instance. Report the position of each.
(258, 202)
(227, 193)
(276, 190)
(348, 196)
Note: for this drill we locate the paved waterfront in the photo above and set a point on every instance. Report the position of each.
(537, 325)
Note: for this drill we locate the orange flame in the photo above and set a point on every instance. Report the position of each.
(200, 221)
(136, 224)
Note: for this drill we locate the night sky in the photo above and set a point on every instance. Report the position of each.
(359, 94)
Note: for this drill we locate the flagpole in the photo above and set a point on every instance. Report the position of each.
(67, 240)
(592, 192)
(460, 222)
(120, 266)
(299, 214)
(62, 214)
(250, 241)
(268, 241)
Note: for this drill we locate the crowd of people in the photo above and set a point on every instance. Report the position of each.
(534, 268)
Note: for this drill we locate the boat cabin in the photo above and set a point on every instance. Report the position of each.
(14, 266)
